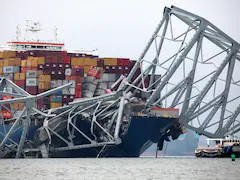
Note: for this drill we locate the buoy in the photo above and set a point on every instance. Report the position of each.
(233, 157)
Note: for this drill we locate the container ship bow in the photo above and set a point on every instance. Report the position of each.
(59, 103)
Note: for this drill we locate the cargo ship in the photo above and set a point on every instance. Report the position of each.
(37, 66)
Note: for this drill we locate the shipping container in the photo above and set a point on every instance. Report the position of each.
(20, 83)
(25, 69)
(31, 82)
(59, 83)
(77, 72)
(55, 99)
(18, 106)
(7, 54)
(91, 79)
(77, 61)
(1, 62)
(6, 114)
(24, 63)
(19, 76)
(32, 90)
(87, 93)
(108, 77)
(68, 72)
(11, 69)
(44, 78)
(100, 62)
(55, 105)
(43, 85)
(95, 73)
(77, 79)
(89, 86)
(123, 62)
(33, 74)
(110, 61)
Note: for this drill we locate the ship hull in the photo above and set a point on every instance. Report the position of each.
(141, 134)
(16, 135)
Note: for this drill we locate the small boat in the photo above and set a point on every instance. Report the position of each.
(224, 148)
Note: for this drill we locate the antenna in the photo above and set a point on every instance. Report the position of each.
(18, 33)
(55, 34)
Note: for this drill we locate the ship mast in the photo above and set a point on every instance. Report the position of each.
(18, 33)
(34, 28)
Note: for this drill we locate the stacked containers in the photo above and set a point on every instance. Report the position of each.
(32, 81)
(91, 81)
(58, 65)
(20, 79)
(43, 83)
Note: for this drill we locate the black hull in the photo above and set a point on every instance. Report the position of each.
(140, 135)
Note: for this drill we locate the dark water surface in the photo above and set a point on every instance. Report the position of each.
(101, 169)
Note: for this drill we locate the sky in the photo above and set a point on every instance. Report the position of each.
(115, 28)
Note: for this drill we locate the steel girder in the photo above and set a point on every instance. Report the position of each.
(198, 105)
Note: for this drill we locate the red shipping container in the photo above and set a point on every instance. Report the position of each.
(20, 83)
(67, 60)
(32, 89)
(78, 94)
(79, 86)
(25, 69)
(60, 59)
(54, 59)
(48, 59)
(78, 72)
(6, 114)
(78, 79)
(4, 97)
(64, 53)
(95, 73)
(123, 62)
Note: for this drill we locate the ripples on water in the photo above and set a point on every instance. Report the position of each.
(103, 169)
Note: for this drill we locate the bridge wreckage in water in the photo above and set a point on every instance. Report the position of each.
(121, 125)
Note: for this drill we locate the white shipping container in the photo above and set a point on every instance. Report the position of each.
(89, 86)
(102, 85)
(53, 84)
(73, 83)
(68, 72)
(72, 91)
(32, 82)
(11, 69)
(89, 79)
(108, 77)
(31, 74)
(59, 83)
(65, 82)
(88, 94)
(66, 91)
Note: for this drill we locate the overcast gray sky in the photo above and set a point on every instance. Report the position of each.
(115, 28)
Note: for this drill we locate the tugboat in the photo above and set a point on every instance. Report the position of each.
(224, 148)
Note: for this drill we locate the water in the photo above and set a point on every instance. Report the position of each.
(103, 169)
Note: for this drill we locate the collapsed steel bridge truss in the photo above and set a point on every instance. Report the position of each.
(205, 89)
